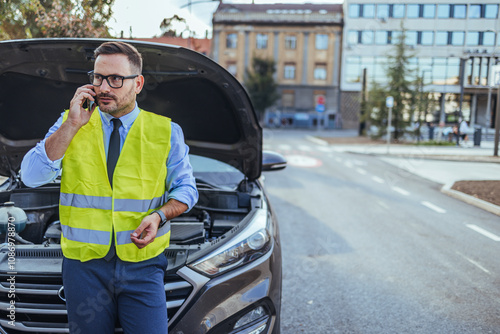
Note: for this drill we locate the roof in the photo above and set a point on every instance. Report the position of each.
(279, 13)
(201, 45)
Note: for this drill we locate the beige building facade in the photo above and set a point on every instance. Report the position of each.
(304, 41)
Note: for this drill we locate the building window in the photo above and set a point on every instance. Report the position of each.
(413, 11)
(457, 37)
(261, 41)
(473, 38)
(488, 38)
(442, 38)
(426, 38)
(320, 72)
(231, 41)
(411, 38)
(367, 37)
(397, 11)
(382, 11)
(483, 11)
(382, 37)
(490, 11)
(476, 11)
(288, 98)
(290, 42)
(395, 36)
(321, 42)
(352, 70)
(428, 11)
(354, 10)
(365, 10)
(444, 11)
(459, 11)
(289, 71)
(452, 11)
(232, 68)
(353, 37)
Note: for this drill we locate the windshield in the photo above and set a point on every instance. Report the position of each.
(215, 174)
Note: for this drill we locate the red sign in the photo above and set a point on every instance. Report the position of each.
(320, 100)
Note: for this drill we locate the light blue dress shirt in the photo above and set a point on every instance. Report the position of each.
(37, 169)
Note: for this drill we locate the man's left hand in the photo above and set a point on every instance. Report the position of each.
(145, 233)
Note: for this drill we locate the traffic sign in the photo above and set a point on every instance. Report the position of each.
(320, 99)
(389, 102)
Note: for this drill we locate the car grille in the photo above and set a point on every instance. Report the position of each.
(39, 309)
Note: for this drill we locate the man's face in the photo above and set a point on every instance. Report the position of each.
(117, 101)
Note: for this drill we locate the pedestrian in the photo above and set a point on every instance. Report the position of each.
(126, 174)
(464, 132)
(431, 128)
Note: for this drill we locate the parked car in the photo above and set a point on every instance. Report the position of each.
(224, 271)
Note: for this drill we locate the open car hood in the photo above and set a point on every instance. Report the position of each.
(38, 78)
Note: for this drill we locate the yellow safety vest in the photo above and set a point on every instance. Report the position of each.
(90, 210)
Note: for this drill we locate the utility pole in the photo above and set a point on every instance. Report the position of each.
(497, 122)
(362, 116)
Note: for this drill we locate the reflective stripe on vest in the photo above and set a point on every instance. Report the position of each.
(105, 203)
(84, 235)
(123, 237)
(90, 210)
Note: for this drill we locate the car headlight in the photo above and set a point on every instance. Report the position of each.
(251, 243)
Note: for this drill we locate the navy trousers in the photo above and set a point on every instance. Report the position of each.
(98, 292)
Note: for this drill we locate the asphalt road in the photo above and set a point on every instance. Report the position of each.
(371, 248)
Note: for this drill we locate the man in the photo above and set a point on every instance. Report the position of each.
(124, 173)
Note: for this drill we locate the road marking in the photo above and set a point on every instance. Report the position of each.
(361, 171)
(401, 191)
(302, 161)
(483, 232)
(348, 164)
(324, 149)
(474, 263)
(305, 148)
(360, 163)
(317, 140)
(378, 179)
(382, 204)
(433, 207)
(338, 159)
(284, 147)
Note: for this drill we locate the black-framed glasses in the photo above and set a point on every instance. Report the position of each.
(114, 81)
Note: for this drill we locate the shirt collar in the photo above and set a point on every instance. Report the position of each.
(127, 120)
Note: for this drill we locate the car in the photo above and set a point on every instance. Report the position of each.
(224, 260)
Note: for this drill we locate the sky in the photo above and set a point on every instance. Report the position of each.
(141, 19)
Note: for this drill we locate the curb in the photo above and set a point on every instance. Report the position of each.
(446, 189)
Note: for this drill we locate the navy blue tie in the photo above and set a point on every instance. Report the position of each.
(113, 149)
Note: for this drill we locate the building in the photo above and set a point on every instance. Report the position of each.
(456, 45)
(305, 42)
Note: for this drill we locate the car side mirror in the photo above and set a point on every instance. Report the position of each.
(272, 161)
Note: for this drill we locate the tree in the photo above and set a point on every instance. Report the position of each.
(260, 84)
(168, 29)
(21, 19)
(401, 86)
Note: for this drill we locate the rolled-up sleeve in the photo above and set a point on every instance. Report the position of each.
(36, 168)
(180, 182)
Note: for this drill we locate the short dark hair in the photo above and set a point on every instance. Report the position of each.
(111, 48)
